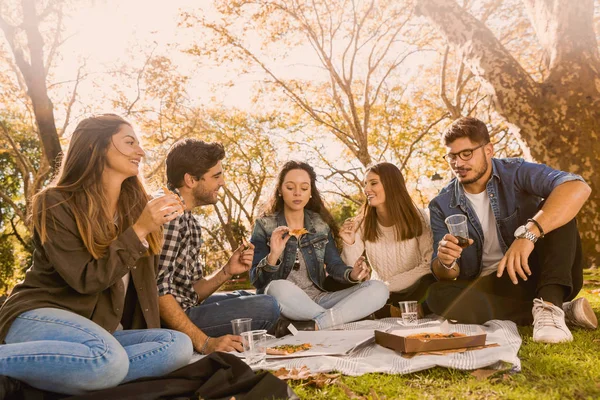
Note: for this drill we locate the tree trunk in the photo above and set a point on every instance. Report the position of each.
(556, 120)
(35, 77)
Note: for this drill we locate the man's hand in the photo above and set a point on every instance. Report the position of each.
(515, 261)
(360, 271)
(449, 250)
(241, 260)
(223, 343)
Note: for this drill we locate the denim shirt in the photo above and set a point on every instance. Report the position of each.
(515, 190)
(317, 247)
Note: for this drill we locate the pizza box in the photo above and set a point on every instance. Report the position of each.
(398, 340)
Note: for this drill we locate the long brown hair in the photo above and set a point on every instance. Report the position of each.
(407, 220)
(315, 203)
(79, 180)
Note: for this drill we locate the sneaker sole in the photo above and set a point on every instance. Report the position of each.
(584, 306)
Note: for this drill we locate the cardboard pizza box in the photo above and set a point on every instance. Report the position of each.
(398, 340)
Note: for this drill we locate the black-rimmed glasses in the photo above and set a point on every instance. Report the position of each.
(464, 155)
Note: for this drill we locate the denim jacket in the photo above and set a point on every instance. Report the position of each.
(515, 190)
(317, 247)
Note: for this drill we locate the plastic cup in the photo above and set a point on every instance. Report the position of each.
(240, 325)
(255, 345)
(457, 226)
(408, 310)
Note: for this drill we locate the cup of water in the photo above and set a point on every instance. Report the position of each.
(240, 325)
(255, 345)
(408, 310)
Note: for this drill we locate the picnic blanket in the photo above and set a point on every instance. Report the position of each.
(374, 358)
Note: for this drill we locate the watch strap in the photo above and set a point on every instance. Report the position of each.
(533, 221)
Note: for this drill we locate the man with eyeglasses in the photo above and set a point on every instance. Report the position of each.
(524, 249)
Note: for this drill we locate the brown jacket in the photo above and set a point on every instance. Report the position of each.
(65, 275)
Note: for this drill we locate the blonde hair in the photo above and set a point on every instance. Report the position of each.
(79, 180)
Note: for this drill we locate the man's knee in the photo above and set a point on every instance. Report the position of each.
(267, 302)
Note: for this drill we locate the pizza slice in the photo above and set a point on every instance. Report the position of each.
(298, 232)
(286, 349)
(425, 335)
(167, 191)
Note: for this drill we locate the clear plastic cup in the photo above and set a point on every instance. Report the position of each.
(255, 346)
(457, 226)
(408, 310)
(240, 325)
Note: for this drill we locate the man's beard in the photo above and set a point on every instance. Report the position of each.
(478, 176)
(203, 198)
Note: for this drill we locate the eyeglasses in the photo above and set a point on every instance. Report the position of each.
(464, 155)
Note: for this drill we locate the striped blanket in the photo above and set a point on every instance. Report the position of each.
(374, 358)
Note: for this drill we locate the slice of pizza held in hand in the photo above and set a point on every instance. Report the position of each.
(298, 232)
(286, 349)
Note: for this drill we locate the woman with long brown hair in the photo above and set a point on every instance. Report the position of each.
(393, 234)
(85, 317)
(294, 247)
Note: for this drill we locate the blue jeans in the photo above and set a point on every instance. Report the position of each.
(348, 305)
(60, 351)
(214, 315)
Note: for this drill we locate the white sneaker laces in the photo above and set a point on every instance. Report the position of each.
(547, 316)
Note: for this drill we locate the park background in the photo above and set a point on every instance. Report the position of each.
(338, 83)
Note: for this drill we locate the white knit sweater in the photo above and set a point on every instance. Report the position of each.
(397, 264)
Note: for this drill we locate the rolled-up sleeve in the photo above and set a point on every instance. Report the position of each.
(540, 180)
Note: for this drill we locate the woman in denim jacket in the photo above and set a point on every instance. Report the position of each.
(292, 269)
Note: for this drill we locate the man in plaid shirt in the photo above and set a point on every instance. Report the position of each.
(186, 297)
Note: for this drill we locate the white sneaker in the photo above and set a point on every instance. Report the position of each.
(580, 313)
(549, 323)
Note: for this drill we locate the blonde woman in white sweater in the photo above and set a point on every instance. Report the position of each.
(393, 234)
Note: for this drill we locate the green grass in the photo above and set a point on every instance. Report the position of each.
(563, 371)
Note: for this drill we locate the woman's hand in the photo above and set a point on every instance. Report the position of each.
(157, 212)
(279, 239)
(360, 271)
(348, 231)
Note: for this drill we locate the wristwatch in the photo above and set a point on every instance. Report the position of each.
(523, 233)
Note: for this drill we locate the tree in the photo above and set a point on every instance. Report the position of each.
(555, 117)
(358, 48)
(33, 64)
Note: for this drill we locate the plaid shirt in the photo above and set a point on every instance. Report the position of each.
(180, 265)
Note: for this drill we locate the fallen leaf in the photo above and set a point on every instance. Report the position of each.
(375, 396)
(297, 374)
(596, 340)
(482, 373)
(594, 291)
(350, 393)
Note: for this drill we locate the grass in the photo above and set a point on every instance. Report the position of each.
(560, 371)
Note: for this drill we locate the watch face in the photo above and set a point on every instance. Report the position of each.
(520, 232)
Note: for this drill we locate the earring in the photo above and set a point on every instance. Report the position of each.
(310, 197)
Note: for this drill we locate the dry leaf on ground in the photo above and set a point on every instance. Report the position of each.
(482, 373)
(319, 379)
(350, 393)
